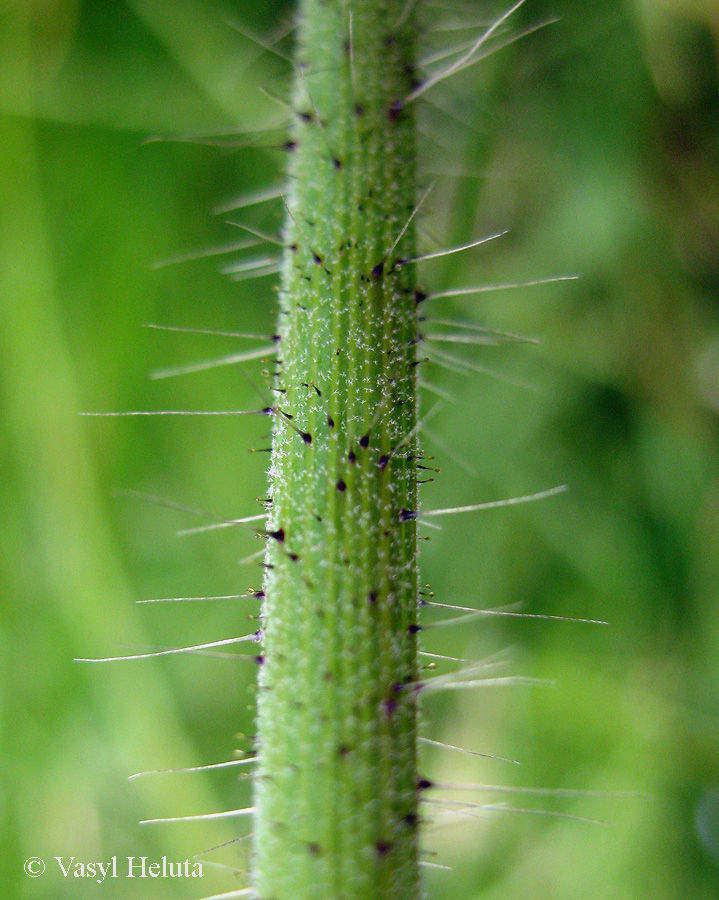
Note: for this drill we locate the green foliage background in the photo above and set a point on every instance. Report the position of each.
(596, 141)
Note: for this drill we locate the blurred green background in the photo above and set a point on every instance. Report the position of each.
(596, 142)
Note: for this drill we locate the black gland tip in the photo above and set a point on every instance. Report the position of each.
(406, 515)
(378, 269)
(305, 116)
(336, 163)
(330, 421)
(289, 146)
(382, 848)
(267, 411)
(373, 597)
(275, 338)
(293, 556)
(411, 820)
(351, 457)
(395, 110)
(260, 659)
(383, 460)
(414, 629)
(341, 486)
(424, 784)
(257, 595)
(359, 110)
(306, 437)
(419, 296)
(316, 258)
(389, 706)
(364, 441)
(278, 535)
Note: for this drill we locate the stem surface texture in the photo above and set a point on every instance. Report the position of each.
(336, 791)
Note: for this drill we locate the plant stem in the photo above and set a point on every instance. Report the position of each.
(336, 793)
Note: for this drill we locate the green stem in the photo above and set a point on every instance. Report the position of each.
(336, 792)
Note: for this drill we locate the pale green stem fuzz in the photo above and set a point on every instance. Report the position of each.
(336, 792)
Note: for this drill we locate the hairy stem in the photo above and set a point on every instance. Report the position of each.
(336, 793)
